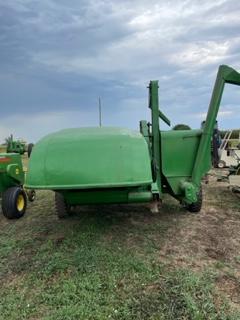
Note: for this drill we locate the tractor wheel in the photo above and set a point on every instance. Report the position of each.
(29, 149)
(62, 208)
(195, 207)
(221, 164)
(31, 194)
(14, 203)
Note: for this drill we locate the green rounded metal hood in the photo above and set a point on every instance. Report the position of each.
(83, 158)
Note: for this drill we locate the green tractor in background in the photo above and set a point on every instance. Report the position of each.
(12, 193)
(12, 176)
(18, 146)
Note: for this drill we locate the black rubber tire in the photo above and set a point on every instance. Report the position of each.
(61, 207)
(196, 207)
(29, 149)
(9, 203)
(31, 194)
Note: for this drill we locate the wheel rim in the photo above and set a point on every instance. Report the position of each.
(221, 165)
(20, 202)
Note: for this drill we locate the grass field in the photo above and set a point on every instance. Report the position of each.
(123, 262)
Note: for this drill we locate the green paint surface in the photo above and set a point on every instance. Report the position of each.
(90, 158)
(179, 149)
(11, 170)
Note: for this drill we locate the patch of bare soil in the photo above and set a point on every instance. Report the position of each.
(230, 286)
(209, 239)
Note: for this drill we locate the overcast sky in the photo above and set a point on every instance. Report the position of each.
(57, 57)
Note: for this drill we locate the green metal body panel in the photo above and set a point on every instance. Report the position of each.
(85, 158)
(11, 171)
(107, 195)
(179, 149)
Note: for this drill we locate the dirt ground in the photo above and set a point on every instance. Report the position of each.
(211, 238)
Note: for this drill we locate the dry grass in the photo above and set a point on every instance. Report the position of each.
(2, 148)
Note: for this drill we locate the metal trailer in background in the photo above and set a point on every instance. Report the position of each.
(228, 155)
(234, 176)
(114, 165)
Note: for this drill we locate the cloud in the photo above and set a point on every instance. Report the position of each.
(24, 126)
(221, 114)
(59, 56)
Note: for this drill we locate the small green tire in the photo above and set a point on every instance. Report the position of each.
(14, 203)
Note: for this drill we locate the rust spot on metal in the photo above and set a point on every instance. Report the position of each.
(5, 159)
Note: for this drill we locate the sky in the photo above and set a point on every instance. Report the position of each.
(57, 57)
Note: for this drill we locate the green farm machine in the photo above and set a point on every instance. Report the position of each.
(14, 198)
(113, 165)
(12, 193)
(18, 146)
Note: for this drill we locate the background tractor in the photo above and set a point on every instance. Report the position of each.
(18, 146)
(14, 198)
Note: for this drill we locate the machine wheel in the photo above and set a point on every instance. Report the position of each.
(31, 194)
(29, 149)
(62, 208)
(221, 164)
(195, 207)
(14, 203)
